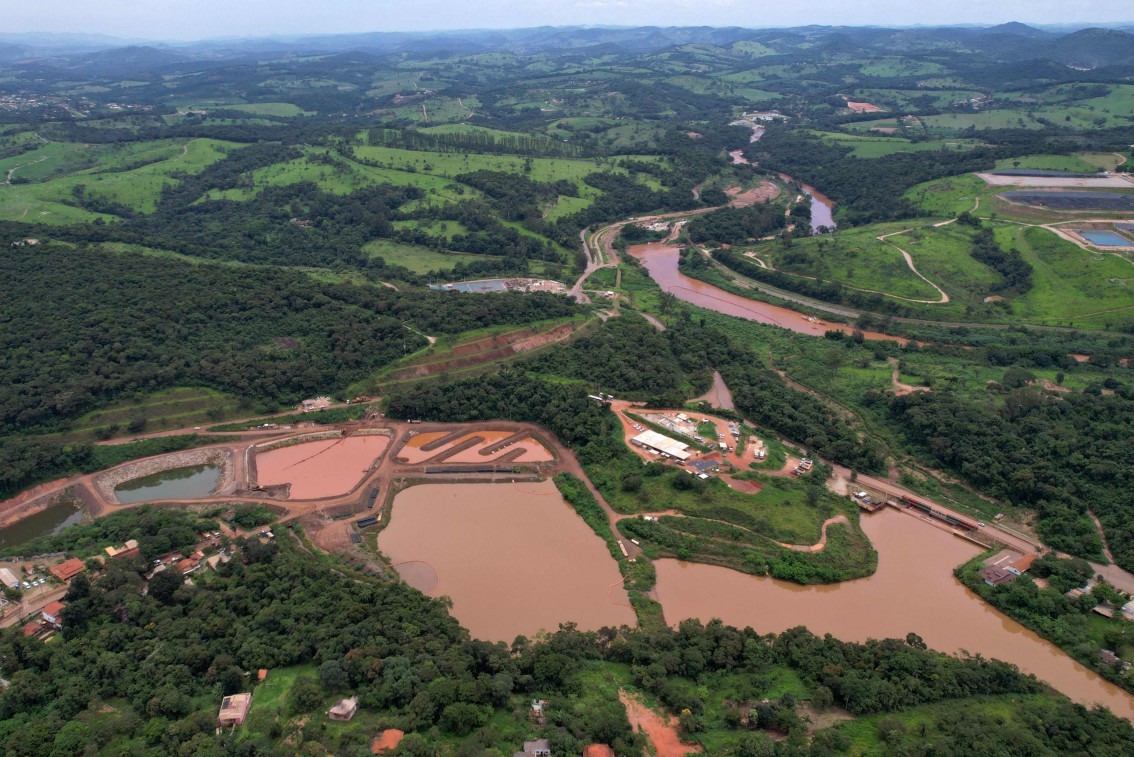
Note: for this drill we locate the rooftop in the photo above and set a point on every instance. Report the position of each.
(234, 708)
(663, 443)
(68, 569)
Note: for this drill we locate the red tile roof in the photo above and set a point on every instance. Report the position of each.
(68, 569)
(31, 629)
(54, 608)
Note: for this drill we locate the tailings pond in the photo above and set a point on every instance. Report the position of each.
(193, 482)
(50, 521)
(914, 590)
(325, 468)
(514, 558)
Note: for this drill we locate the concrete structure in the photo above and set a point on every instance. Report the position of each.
(343, 710)
(234, 709)
(68, 569)
(661, 444)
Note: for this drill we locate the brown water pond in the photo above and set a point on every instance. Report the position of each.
(914, 590)
(514, 558)
(413, 453)
(326, 468)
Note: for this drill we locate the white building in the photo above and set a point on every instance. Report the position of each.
(661, 444)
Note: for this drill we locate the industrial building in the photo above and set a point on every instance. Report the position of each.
(663, 445)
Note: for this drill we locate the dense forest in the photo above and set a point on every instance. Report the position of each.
(1064, 455)
(129, 323)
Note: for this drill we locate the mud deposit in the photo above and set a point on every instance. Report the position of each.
(514, 558)
(325, 468)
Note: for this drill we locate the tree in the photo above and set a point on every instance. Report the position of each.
(333, 677)
(305, 695)
(164, 584)
(462, 718)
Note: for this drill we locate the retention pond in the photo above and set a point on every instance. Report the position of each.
(50, 521)
(193, 482)
(914, 590)
(325, 468)
(514, 558)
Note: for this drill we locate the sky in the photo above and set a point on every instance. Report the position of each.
(201, 19)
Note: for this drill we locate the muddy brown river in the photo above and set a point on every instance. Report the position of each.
(661, 263)
(514, 558)
(913, 590)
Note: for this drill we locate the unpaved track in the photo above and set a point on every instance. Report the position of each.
(909, 261)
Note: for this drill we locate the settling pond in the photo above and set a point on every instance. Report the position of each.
(325, 468)
(914, 590)
(193, 482)
(514, 558)
(50, 521)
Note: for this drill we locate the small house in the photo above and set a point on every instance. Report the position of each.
(31, 629)
(537, 748)
(129, 549)
(234, 709)
(995, 575)
(53, 613)
(1106, 609)
(344, 710)
(536, 712)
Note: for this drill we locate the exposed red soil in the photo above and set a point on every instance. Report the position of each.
(661, 731)
(743, 199)
(481, 352)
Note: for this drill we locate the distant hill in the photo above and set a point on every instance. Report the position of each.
(1017, 29)
(1092, 48)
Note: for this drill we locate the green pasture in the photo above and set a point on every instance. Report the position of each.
(869, 146)
(132, 175)
(1073, 287)
(272, 109)
(416, 258)
(163, 410)
(856, 258)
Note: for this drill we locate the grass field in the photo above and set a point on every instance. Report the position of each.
(416, 258)
(271, 109)
(450, 165)
(864, 146)
(132, 175)
(949, 197)
(1072, 287)
(345, 177)
(1070, 163)
(168, 409)
(855, 258)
